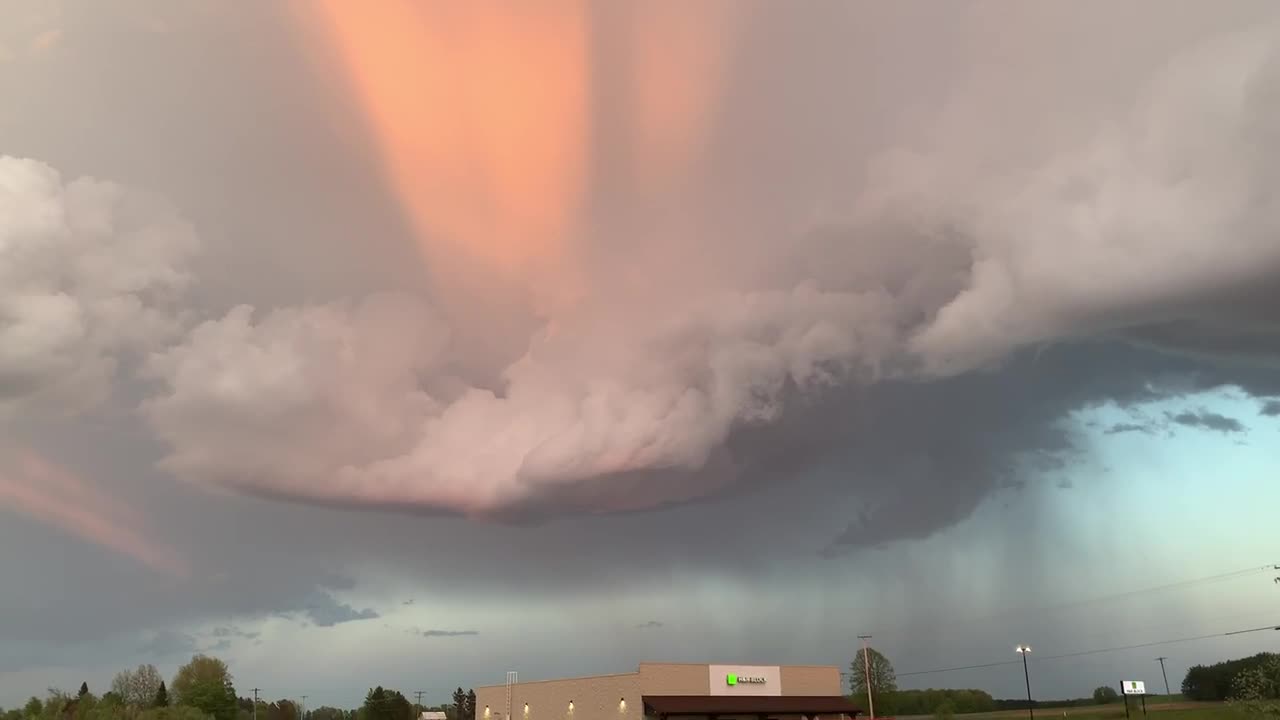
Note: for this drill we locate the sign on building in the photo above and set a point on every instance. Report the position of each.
(1134, 687)
(746, 680)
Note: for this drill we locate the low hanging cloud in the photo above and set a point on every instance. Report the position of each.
(448, 633)
(1206, 420)
(227, 632)
(169, 643)
(1271, 408)
(1159, 231)
(324, 610)
(1129, 427)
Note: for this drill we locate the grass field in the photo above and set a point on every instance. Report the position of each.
(1161, 711)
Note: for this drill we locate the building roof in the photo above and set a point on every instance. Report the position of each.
(748, 705)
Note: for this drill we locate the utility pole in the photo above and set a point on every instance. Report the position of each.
(302, 712)
(1162, 673)
(419, 694)
(255, 704)
(866, 664)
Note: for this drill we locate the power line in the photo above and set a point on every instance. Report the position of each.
(1099, 651)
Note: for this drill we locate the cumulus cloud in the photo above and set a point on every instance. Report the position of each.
(90, 274)
(1157, 228)
(1154, 231)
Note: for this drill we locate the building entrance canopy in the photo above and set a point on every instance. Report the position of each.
(663, 706)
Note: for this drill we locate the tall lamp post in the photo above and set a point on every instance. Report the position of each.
(1024, 651)
(866, 664)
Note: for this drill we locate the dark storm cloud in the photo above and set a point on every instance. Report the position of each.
(919, 456)
(1206, 420)
(1270, 408)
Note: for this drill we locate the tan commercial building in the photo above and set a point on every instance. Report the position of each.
(679, 691)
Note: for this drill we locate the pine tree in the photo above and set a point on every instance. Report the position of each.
(459, 704)
(84, 689)
(162, 696)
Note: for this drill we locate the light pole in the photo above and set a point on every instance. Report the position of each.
(1164, 675)
(866, 664)
(1024, 651)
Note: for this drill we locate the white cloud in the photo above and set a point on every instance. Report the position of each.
(938, 271)
(1163, 217)
(89, 274)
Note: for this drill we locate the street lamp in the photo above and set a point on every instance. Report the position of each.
(1024, 651)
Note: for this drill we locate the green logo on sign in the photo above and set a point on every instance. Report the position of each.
(731, 679)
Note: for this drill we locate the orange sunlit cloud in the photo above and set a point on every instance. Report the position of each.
(482, 112)
(676, 64)
(37, 488)
(479, 111)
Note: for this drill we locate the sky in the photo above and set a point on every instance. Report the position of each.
(411, 343)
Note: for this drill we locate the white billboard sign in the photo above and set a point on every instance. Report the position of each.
(1134, 687)
(746, 680)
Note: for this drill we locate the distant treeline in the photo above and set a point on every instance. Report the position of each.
(926, 702)
(1218, 681)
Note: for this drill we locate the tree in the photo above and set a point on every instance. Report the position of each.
(137, 687)
(325, 712)
(1105, 694)
(471, 705)
(170, 713)
(945, 711)
(1257, 689)
(375, 705)
(1214, 682)
(162, 697)
(205, 683)
(33, 708)
(883, 680)
(399, 706)
(84, 689)
(459, 704)
(282, 710)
